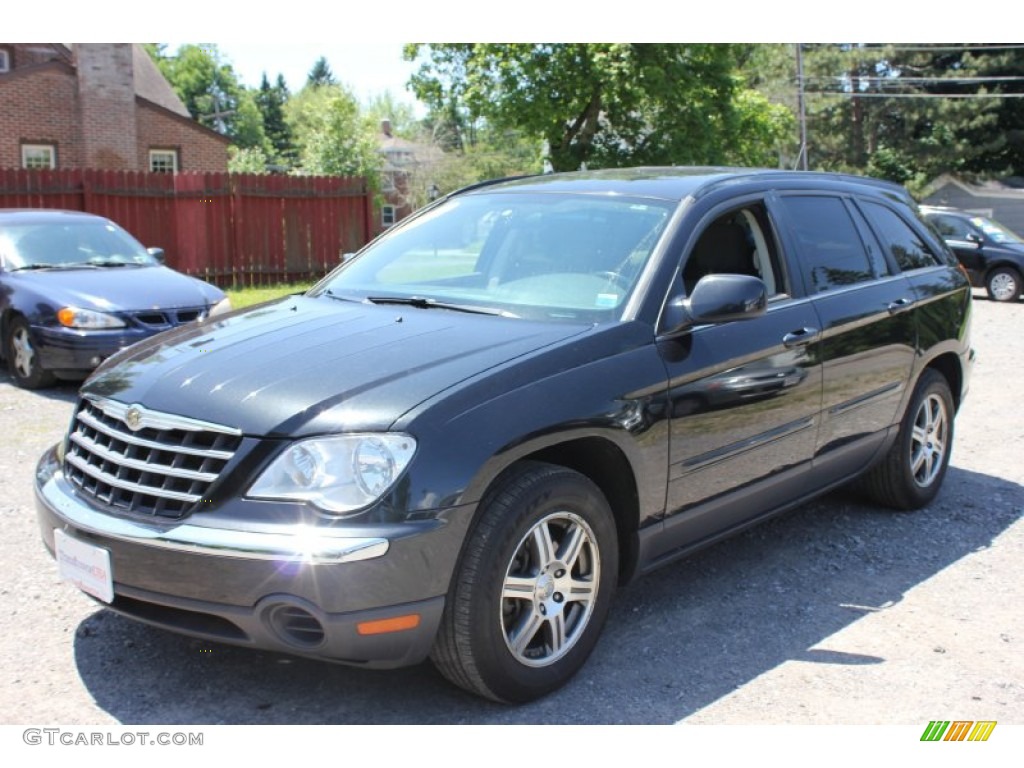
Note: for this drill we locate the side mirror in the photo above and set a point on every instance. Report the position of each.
(717, 299)
(974, 237)
(157, 253)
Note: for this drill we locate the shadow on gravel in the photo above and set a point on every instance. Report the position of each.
(676, 641)
(64, 391)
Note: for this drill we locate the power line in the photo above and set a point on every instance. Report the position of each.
(935, 48)
(876, 95)
(930, 80)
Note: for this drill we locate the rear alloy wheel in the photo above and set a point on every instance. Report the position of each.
(1003, 284)
(912, 472)
(533, 588)
(23, 360)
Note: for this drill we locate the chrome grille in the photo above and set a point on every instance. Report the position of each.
(132, 459)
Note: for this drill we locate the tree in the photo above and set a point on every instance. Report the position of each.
(211, 92)
(321, 74)
(385, 106)
(604, 105)
(332, 136)
(910, 112)
(271, 101)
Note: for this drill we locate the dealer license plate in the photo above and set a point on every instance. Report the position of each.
(85, 566)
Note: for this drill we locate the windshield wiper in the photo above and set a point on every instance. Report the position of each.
(107, 263)
(421, 302)
(36, 265)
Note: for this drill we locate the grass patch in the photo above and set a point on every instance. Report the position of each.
(245, 297)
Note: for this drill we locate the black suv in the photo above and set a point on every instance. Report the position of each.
(460, 442)
(992, 254)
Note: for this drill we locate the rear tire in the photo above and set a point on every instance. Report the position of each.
(1003, 284)
(23, 359)
(912, 472)
(533, 587)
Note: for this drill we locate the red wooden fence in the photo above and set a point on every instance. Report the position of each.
(242, 229)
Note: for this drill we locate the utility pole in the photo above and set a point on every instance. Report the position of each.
(801, 160)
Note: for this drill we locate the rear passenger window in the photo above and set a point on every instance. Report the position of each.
(831, 252)
(909, 250)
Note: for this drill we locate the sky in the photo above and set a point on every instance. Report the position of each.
(364, 39)
(367, 68)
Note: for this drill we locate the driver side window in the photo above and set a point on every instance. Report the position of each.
(739, 242)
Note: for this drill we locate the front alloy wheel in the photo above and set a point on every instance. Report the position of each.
(533, 586)
(550, 588)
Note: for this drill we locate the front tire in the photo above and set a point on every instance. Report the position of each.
(912, 472)
(23, 359)
(1003, 284)
(533, 587)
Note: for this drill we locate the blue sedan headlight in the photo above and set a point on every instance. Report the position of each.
(87, 319)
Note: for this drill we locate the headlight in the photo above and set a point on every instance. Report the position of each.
(222, 306)
(338, 474)
(87, 319)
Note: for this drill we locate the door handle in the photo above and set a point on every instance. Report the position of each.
(900, 305)
(800, 337)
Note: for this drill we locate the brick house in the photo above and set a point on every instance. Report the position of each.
(97, 105)
(396, 176)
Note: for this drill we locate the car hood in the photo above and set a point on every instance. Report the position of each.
(304, 366)
(119, 288)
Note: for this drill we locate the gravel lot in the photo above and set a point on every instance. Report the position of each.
(838, 613)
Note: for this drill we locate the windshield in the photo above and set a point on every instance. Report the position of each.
(70, 243)
(542, 256)
(995, 231)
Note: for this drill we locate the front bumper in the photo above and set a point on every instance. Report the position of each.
(306, 590)
(65, 349)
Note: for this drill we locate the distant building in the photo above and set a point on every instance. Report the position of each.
(396, 176)
(1002, 200)
(97, 105)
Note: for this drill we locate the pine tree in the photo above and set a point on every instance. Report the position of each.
(271, 100)
(321, 74)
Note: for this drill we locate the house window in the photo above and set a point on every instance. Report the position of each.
(163, 160)
(387, 215)
(38, 156)
(5, 60)
(387, 179)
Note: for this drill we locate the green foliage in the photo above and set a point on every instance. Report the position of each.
(206, 84)
(332, 137)
(878, 109)
(602, 105)
(385, 106)
(246, 160)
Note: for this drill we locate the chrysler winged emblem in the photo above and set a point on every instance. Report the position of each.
(133, 418)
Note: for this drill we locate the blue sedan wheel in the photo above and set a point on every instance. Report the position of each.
(22, 359)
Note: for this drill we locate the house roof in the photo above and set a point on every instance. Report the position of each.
(1009, 188)
(151, 85)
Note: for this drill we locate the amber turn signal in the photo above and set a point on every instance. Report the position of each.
(382, 626)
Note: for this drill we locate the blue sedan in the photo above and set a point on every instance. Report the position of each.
(76, 288)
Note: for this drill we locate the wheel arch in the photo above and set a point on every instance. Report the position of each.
(605, 464)
(948, 365)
